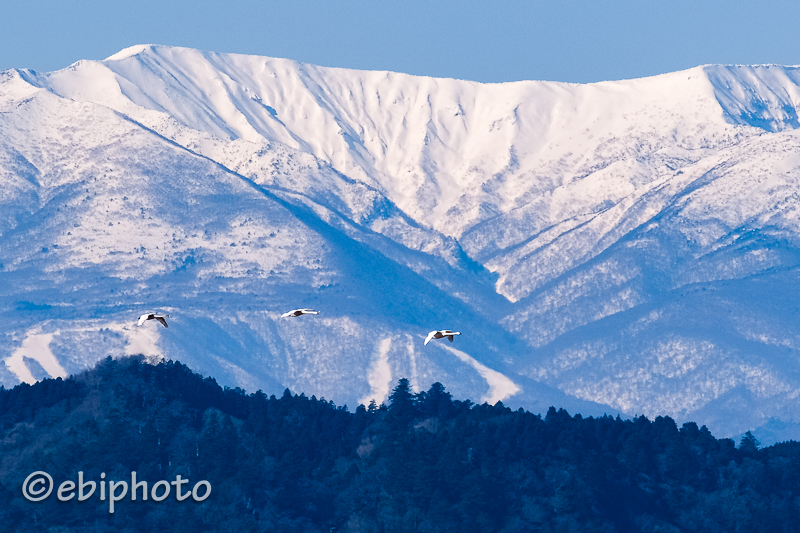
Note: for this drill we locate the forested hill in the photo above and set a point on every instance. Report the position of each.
(425, 462)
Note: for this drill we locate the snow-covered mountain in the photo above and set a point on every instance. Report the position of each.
(625, 246)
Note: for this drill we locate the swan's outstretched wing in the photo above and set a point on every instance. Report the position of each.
(450, 338)
(429, 337)
(142, 319)
(163, 321)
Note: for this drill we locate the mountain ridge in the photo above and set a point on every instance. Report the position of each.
(547, 211)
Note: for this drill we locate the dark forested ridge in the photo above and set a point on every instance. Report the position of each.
(424, 463)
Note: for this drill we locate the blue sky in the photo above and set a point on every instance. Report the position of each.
(490, 41)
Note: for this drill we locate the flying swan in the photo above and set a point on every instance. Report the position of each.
(150, 316)
(298, 312)
(442, 333)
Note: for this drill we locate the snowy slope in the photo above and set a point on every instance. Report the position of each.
(106, 219)
(629, 243)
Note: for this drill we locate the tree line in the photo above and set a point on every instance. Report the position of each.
(422, 462)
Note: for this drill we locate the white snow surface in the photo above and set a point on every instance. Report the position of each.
(626, 246)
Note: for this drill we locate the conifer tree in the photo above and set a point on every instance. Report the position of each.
(402, 410)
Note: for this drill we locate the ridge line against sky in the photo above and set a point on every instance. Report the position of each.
(569, 41)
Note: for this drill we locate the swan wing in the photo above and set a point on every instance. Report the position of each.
(142, 319)
(450, 338)
(162, 320)
(429, 337)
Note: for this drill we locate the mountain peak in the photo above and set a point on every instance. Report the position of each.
(129, 52)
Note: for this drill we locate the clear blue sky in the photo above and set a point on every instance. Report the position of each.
(497, 40)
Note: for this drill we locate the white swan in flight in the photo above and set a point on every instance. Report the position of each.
(150, 316)
(298, 312)
(442, 333)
